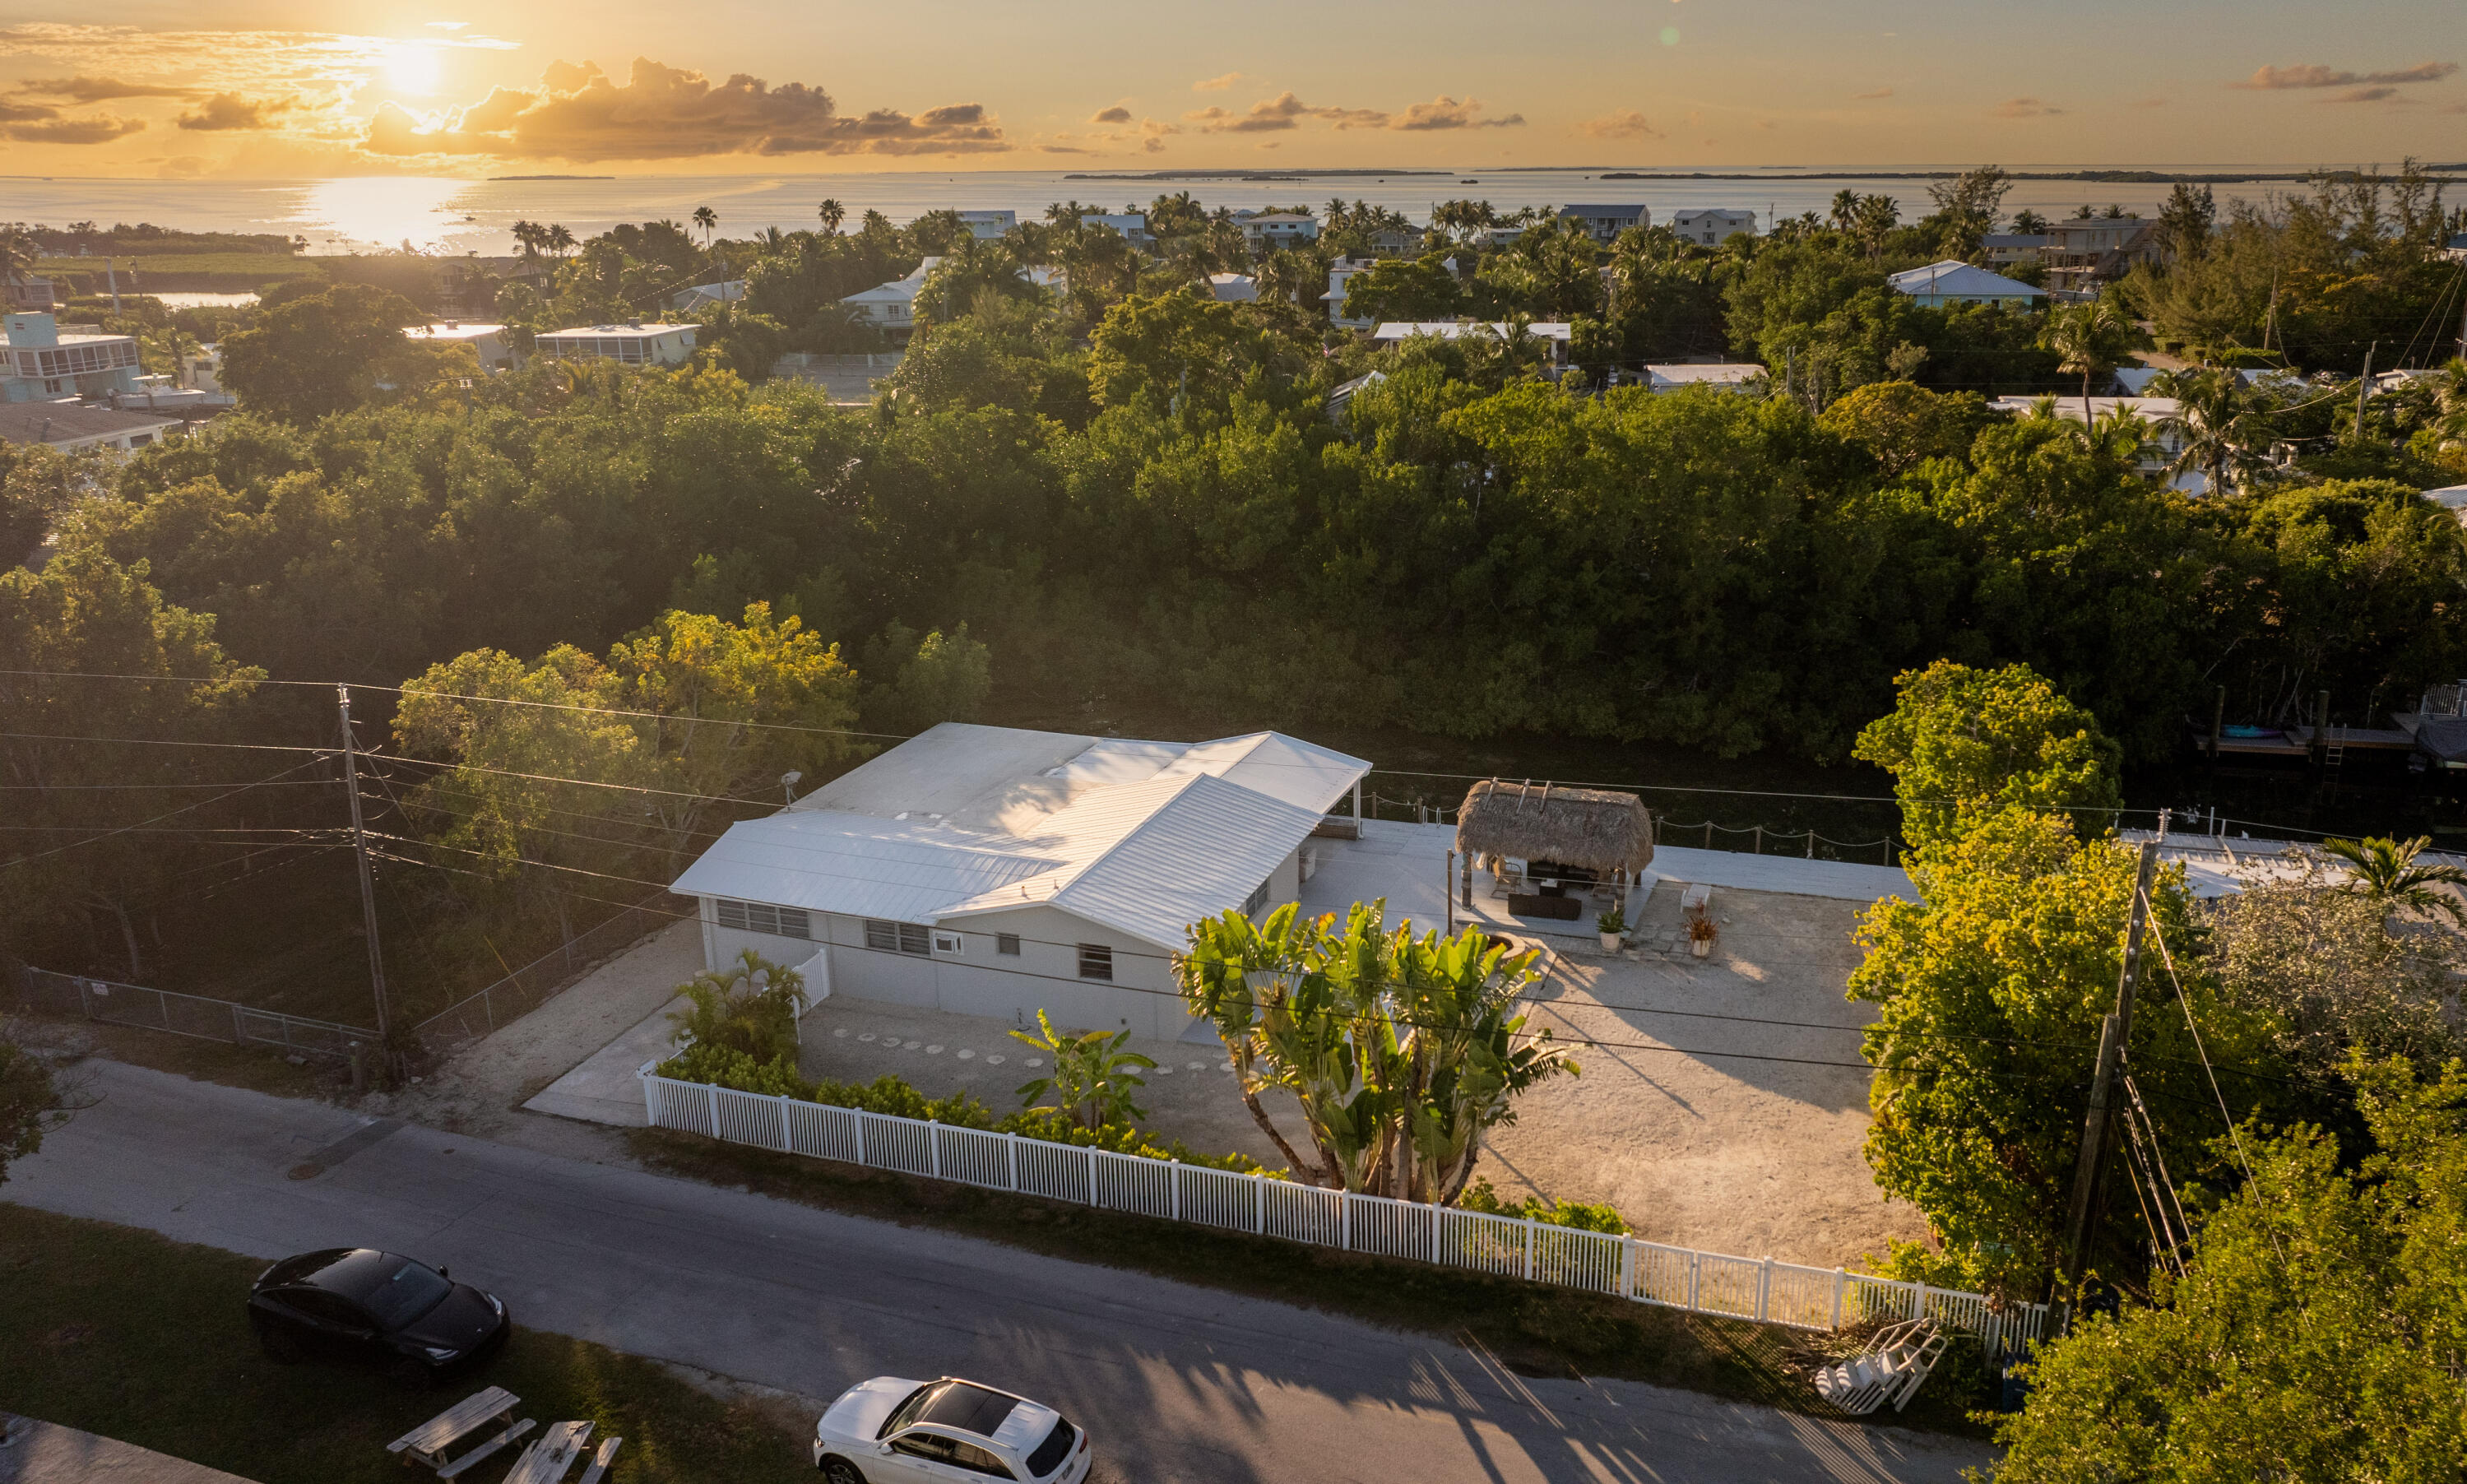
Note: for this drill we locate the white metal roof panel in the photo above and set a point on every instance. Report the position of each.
(856, 864)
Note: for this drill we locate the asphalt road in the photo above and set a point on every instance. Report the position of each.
(1174, 1383)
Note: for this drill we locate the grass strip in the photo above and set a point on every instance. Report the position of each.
(1533, 1329)
(133, 1336)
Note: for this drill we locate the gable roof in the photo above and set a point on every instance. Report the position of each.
(1141, 836)
(1954, 279)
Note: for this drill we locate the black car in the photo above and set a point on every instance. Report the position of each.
(374, 1308)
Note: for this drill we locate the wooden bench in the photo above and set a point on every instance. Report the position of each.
(429, 1442)
(550, 1454)
(600, 1465)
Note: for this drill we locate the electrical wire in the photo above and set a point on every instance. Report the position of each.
(25, 860)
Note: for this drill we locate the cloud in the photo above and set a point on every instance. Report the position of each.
(2024, 108)
(11, 113)
(1446, 113)
(2364, 95)
(100, 129)
(1874, 92)
(2311, 74)
(98, 90)
(1619, 124)
(1267, 115)
(231, 111)
(1114, 115)
(662, 113)
(1216, 85)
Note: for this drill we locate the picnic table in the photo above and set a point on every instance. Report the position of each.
(555, 1450)
(429, 1442)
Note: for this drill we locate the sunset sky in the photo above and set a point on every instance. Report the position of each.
(282, 88)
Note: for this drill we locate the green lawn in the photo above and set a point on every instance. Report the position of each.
(134, 1336)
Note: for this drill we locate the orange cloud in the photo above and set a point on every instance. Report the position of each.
(1114, 115)
(98, 90)
(661, 112)
(2024, 108)
(100, 129)
(1284, 111)
(1446, 113)
(231, 111)
(1619, 124)
(1216, 85)
(2311, 74)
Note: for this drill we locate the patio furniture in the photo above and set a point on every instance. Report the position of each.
(599, 1464)
(1891, 1369)
(428, 1443)
(550, 1454)
(1697, 898)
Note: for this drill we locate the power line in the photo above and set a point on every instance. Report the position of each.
(24, 860)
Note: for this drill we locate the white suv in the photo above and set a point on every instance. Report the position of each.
(888, 1430)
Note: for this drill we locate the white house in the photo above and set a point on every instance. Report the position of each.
(631, 344)
(704, 295)
(1709, 226)
(1726, 377)
(993, 871)
(68, 425)
(488, 341)
(2158, 451)
(1602, 223)
(1341, 275)
(41, 359)
(1265, 229)
(1234, 288)
(892, 305)
(1133, 225)
(1953, 282)
(1558, 333)
(987, 225)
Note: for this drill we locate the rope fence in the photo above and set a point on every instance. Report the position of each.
(1704, 834)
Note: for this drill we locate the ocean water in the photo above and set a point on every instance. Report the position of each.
(455, 216)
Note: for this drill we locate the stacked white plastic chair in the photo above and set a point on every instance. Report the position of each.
(1888, 1370)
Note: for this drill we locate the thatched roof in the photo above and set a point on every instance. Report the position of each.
(1595, 828)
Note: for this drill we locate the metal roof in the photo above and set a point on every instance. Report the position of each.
(1954, 279)
(1141, 837)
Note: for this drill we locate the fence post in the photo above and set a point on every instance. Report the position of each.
(1708, 834)
(1092, 1174)
(240, 1032)
(1011, 1147)
(860, 1134)
(1344, 1221)
(1627, 1267)
(1918, 1311)
(1764, 1292)
(934, 1149)
(1811, 845)
(1760, 840)
(1528, 1250)
(1695, 1264)
(1840, 1281)
(1438, 1217)
(787, 1139)
(1173, 1178)
(650, 1097)
(712, 1089)
(1258, 1203)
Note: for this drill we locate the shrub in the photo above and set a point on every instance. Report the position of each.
(1603, 1218)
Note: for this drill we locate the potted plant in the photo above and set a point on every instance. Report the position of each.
(1612, 925)
(1701, 933)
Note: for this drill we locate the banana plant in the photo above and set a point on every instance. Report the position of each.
(1092, 1081)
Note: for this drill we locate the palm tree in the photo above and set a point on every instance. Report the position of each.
(2389, 873)
(2217, 421)
(558, 239)
(832, 214)
(705, 219)
(1845, 214)
(533, 237)
(17, 255)
(2086, 339)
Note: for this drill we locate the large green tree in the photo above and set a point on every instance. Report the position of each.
(1964, 745)
(324, 352)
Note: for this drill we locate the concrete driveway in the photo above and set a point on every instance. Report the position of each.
(1174, 1383)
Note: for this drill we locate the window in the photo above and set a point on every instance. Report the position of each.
(1259, 897)
(976, 1460)
(327, 1308)
(924, 1445)
(896, 937)
(1056, 1447)
(1096, 961)
(786, 922)
(1007, 944)
(949, 943)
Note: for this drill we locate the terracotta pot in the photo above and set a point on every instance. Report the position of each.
(1702, 948)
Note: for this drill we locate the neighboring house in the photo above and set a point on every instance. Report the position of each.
(67, 425)
(488, 341)
(1234, 288)
(1724, 377)
(2158, 450)
(31, 293)
(704, 295)
(1133, 225)
(1396, 244)
(2455, 250)
(2014, 249)
(2088, 253)
(1558, 333)
(1341, 274)
(41, 360)
(992, 871)
(633, 344)
(1954, 281)
(1502, 236)
(2134, 380)
(1266, 230)
(892, 305)
(987, 225)
(1710, 226)
(157, 395)
(1602, 223)
(1340, 401)
(1055, 280)
(203, 367)
(2452, 498)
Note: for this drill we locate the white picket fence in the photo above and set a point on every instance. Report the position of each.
(1678, 1277)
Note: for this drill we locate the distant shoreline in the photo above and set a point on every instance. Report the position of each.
(551, 177)
(2096, 177)
(1252, 174)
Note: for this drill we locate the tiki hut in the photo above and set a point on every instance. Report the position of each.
(1596, 830)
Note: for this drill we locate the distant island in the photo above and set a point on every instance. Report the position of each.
(2101, 177)
(1242, 174)
(551, 177)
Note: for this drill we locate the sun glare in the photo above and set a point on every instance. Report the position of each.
(412, 67)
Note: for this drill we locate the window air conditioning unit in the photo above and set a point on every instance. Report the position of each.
(948, 943)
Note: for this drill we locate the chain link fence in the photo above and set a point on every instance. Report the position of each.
(187, 1015)
(544, 978)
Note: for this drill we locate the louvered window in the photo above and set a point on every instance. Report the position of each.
(787, 922)
(897, 937)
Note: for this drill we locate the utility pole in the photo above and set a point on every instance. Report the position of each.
(2363, 385)
(2114, 1031)
(368, 877)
